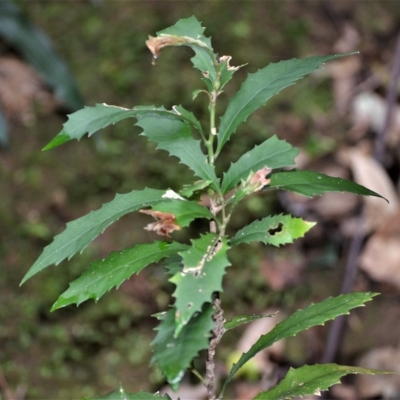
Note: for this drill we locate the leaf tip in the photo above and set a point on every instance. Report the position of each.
(60, 139)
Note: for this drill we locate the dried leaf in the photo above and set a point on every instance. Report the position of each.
(227, 59)
(370, 173)
(259, 178)
(155, 44)
(381, 255)
(369, 112)
(164, 225)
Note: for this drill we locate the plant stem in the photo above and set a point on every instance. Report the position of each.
(217, 204)
(217, 334)
(213, 130)
(197, 373)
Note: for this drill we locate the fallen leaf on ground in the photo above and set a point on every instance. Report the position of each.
(369, 173)
(381, 255)
(369, 113)
(281, 273)
(380, 386)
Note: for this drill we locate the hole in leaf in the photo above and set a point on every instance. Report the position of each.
(273, 231)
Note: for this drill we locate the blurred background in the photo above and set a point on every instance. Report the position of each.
(56, 56)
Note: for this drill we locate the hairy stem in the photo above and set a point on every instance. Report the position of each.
(216, 336)
(217, 204)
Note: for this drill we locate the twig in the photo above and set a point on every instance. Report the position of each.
(217, 334)
(337, 326)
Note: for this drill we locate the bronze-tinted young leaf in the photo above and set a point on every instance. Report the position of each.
(273, 153)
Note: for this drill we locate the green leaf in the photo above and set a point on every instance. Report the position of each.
(173, 264)
(205, 59)
(195, 188)
(120, 394)
(173, 355)
(275, 230)
(37, 49)
(185, 211)
(315, 314)
(273, 153)
(259, 87)
(226, 70)
(204, 267)
(244, 319)
(91, 119)
(311, 183)
(79, 233)
(175, 137)
(311, 379)
(110, 272)
(188, 117)
(169, 129)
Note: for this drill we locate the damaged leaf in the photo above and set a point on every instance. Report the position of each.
(204, 265)
(189, 32)
(164, 225)
(155, 44)
(275, 230)
(273, 153)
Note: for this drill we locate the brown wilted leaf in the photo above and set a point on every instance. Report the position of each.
(165, 222)
(258, 180)
(227, 59)
(155, 44)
